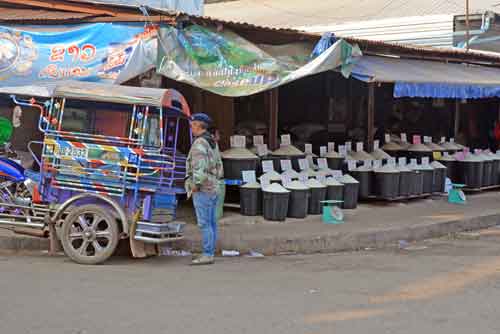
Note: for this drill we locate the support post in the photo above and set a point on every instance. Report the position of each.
(54, 243)
(370, 124)
(456, 126)
(467, 26)
(272, 105)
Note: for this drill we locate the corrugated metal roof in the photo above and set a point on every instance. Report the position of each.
(294, 13)
(431, 30)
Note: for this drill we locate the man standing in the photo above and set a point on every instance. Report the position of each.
(203, 172)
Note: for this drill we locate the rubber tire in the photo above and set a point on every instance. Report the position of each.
(68, 249)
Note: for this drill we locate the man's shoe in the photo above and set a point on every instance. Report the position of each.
(203, 260)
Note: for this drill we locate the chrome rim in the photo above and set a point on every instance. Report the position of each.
(90, 234)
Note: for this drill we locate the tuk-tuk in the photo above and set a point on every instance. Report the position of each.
(108, 168)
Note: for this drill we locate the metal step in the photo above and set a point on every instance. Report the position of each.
(158, 233)
(149, 240)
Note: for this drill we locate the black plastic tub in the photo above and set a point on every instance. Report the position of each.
(488, 170)
(298, 205)
(334, 190)
(470, 171)
(364, 175)
(351, 190)
(387, 180)
(417, 183)
(318, 194)
(439, 180)
(428, 178)
(335, 162)
(251, 199)
(451, 167)
(496, 170)
(275, 203)
(405, 179)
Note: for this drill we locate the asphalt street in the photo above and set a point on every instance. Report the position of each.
(447, 285)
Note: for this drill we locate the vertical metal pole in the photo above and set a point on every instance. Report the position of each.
(162, 141)
(144, 125)
(61, 114)
(456, 126)
(132, 124)
(467, 27)
(370, 124)
(272, 99)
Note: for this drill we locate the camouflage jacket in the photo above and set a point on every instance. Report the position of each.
(203, 167)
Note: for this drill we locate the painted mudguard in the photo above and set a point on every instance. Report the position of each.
(11, 170)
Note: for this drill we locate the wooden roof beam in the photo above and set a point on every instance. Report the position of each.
(64, 6)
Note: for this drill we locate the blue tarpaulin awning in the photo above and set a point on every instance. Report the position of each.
(423, 78)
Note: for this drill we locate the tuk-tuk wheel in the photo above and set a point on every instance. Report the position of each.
(89, 234)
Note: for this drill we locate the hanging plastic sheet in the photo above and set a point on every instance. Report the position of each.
(226, 64)
(444, 90)
(326, 41)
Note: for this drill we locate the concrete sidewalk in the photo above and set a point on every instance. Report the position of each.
(370, 226)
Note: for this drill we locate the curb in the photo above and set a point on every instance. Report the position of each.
(348, 241)
(326, 243)
(23, 243)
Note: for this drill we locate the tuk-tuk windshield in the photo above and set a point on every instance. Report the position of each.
(112, 120)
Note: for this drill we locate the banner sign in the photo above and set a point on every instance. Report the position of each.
(105, 52)
(226, 64)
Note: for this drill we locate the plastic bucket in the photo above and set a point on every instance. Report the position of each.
(365, 182)
(250, 201)
(494, 172)
(417, 183)
(439, 180)
(275, 205)
(471, 173)
(405, 179)
(387, 185)
(351, 191)
(487, 173)
(335, 163)
(428, 181)
(335, 193)
(315, 205)
(298, 204)
(451, 169)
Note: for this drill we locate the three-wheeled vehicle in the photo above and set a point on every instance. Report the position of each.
(108, 167)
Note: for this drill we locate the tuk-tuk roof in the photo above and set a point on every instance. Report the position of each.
(99, 92)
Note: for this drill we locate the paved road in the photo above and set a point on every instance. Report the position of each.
(440, 286)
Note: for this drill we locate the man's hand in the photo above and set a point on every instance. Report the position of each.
(194, 189)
